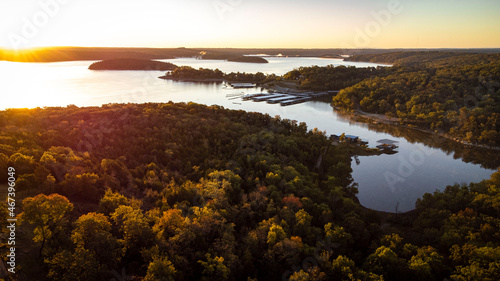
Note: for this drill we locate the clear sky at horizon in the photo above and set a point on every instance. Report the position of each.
(251, 24)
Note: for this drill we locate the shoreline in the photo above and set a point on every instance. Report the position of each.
(394, 122)
(205, 80)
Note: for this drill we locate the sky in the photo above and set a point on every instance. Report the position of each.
(251, 23)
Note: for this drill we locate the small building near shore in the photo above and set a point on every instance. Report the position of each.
(351, 138)
(334, 137)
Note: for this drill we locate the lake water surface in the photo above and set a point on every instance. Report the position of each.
(423, 164)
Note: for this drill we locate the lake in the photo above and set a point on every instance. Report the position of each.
(424, 163)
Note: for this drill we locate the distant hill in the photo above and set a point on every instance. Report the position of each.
(428, 58)
(131, 64)
(90, 53)
(53, 54)
(250, 59)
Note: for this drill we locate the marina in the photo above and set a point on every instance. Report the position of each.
(284, 99)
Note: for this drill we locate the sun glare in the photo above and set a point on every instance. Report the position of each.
(38, 86)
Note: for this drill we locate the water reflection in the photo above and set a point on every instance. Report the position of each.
(487, 158)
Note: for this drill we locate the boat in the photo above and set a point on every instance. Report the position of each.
(387, 145)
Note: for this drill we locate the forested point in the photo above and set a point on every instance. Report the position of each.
(331, 78)
(131, 64)
(454, 94)
(250, 59)
(193, 192)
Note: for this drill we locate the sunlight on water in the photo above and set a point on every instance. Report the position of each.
(43, 84)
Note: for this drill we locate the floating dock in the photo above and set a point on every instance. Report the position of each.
(295, 101)
(250, 96)
(283, 98)
(266, 97)
(242, 85)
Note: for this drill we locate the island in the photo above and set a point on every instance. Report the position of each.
(250, 59)
(131, 64)
(190, 74)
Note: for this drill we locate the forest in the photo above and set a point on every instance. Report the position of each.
(192, 192)
(332, 78)
(454, 94)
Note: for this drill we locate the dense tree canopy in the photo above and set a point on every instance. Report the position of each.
(190, 192)
(329, 77)
(204, 74)
(455, 94)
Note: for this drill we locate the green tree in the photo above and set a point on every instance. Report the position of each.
(338, 236)
(112, 200)
(133, 227)
(4, 159)
(160, 269)
(345, 269)
(84, 186)
(93, 232)
(428, 264)
(214, 268)
(79, 265)
(385, 262)
(23, 164)
(47, 214)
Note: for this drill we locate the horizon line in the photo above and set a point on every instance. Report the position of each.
(255, 48)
